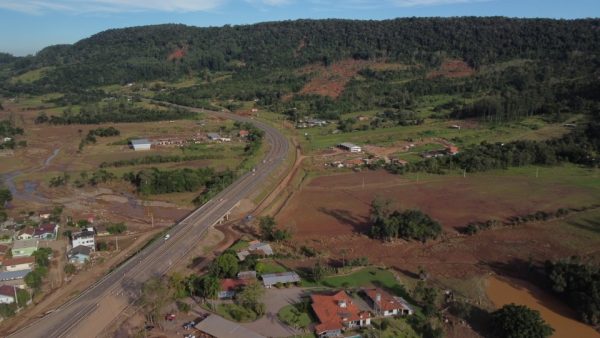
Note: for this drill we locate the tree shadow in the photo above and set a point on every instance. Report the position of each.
(360, 224)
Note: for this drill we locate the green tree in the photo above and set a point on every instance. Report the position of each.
(70, 269)
(519, 321)
(22, 297)
(41, 256)
(155, 295)
(5, 196)
(267, 226)
(210, 287)
(226, 266)
(251, 298)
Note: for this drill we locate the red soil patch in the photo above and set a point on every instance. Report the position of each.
(331, 81)
(331, 214)
(452, 69)
(177, 54)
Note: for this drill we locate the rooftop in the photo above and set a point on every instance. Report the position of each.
(387, 302)
(12, 275)
(281, 277)
(80, 250)
(7, 290)
(220, 327)
(89, 232)
(230, 284)
(348, 145)
(335, 310)
(18, 260)
(140, 141)
(28, 243)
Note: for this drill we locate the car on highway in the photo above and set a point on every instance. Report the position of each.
(167, 236)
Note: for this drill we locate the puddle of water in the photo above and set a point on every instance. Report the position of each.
(555, 313)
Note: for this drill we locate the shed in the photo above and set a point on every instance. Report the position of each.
(282, 277)
(141, 144)
(351, 147)
(213, 136)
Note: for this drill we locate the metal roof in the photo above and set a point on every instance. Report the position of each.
(348, 145)
(282, 277)
(222, 328)
(12, 275)
(213, 135)
(140, 142)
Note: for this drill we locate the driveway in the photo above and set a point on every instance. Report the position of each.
(275, 299)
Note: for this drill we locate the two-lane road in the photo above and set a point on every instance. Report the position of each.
(124, 283)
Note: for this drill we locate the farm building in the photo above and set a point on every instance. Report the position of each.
(256, 248)
(351, 147)
(280, 278)
(216, 326)
(24, 248)
(243, 133)
(452, 150)
(141, 144)
(246, 275)
(337, 313)
(386, 305)
(214, 136)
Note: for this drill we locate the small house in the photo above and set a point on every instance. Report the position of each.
(452, 150)
(24, 248)
(387, 305)
(228, 287)
(79, 254)
(26, 234)
(141, 144)
(19, 263)
(351, 147)
(46, 231)
(280, 278)
(8, 294)
(243, 133)
(248, 275)
(214, 136)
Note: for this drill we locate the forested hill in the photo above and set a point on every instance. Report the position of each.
(171, 51)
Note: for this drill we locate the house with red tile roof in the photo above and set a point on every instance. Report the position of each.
(19, 263)
(7, 294)
(229, 286)
(387, 305)
(26, 234)
(337, 313)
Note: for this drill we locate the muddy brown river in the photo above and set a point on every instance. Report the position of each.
(558, 315)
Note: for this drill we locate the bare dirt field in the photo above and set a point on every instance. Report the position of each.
(330, 214)
(452, 69)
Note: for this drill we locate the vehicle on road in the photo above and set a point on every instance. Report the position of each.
(167, 236)
(189, 335)
(189, 325)
(170, 317)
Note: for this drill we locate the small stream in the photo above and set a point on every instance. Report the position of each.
(29, 192)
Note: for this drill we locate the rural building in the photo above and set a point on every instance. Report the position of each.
(351, 147)
(45, 214)
(46, 231)
(386, 305)
(316, 123)
(337, 313)
(213, 136)
(25, 234)
(243, 133)
(280, 278)
(24, 248)
(255, 248)
(246, 275)
(141, 144)
(216, 326)
(229, 286)
(8, 294)
(85, 237)
(79, 254)
(13, 275)
(18, 263)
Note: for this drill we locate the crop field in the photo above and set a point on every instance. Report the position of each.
(330, 214)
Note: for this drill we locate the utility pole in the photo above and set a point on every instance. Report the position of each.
(117, 242)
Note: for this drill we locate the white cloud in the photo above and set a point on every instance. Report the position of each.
(86, 6)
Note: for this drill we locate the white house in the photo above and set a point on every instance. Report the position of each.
(351, 147)
(85, 237)
(141, 144)
(387, 305)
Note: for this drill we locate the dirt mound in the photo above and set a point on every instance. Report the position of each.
(331, 80)
(452, 69)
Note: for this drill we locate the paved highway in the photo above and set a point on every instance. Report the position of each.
(159, 256)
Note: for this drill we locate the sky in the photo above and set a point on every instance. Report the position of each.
(26, 26)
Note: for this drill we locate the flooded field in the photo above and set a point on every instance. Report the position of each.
(558, 315)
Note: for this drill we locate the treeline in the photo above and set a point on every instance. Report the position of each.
(90, 138)
(153, 159)
(142, 53)
(8, 130)
(98, 113)
(580, 146)
(388, 224)
(578, 284)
